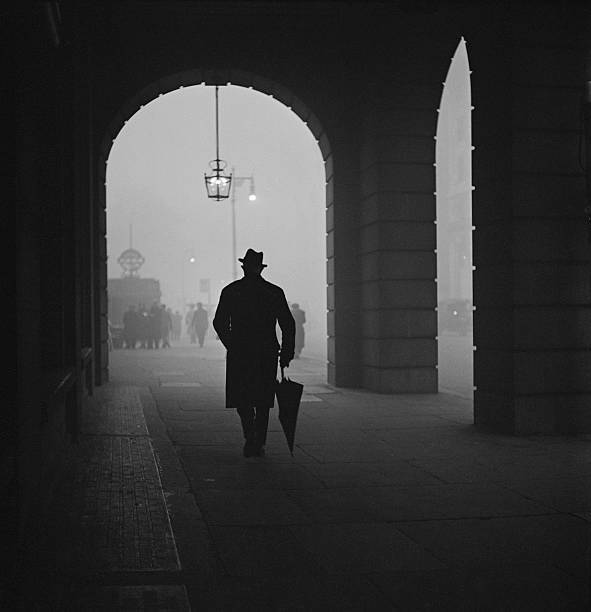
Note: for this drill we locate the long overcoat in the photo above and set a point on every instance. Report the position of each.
(246, 322)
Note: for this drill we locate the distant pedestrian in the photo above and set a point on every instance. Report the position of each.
(299, 316)
(246, 320)
(166, 326)
(177, 321)
(189, 324)
(143, 326)
(155, 326)
(200, 323)
(130, 327)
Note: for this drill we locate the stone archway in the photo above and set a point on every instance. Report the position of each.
(208, 77)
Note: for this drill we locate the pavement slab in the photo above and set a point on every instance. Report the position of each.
(363, 548)
(558, 540)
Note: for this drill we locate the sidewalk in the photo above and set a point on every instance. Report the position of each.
(389, 502)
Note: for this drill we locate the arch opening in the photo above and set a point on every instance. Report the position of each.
(187, 240)
(454, 188)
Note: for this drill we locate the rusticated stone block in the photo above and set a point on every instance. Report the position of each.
(550, 239)
(547, 108)
(398, 236)
(539, 372)
(384, 265)
(548, 195)
(551, 414)
(551, 66)
(398, 206)
(552, 152)
(493, 370)
(399, 352)
(552, 328)
(399, 323)
(493, 286)
(550, 283)
(494, 409)
(412, 177)
(400, 380)
(399, 294)
(493, 328)
(402, 149)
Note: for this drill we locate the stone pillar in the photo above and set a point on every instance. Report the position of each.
(343, 264)
(531, 284)
(397, 240)
(551, 251)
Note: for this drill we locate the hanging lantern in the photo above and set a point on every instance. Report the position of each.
(217, 183)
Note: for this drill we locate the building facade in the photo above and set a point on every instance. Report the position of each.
(367, 80)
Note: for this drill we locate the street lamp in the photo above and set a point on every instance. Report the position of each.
(239, 180)
(217, 183)
(191, 259)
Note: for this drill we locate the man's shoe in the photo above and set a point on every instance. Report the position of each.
(250, 448)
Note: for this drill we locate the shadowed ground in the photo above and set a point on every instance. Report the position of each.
(389, 502)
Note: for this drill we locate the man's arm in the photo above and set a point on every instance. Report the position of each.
(287, 325)
(221, 320)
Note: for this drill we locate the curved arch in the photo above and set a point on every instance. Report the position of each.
(240, 78)
(159, 88)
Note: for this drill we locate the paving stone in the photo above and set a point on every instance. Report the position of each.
(572, 495)
(339, 505)
(297, 592)
(510, 587)
(424, 502)
(396, 473)
(250, 475)
(261, 551)
(172, 598)
(116, 412)
(356, 453)
(201, 437)
(560, 540)
(363, 548)
(248, 507)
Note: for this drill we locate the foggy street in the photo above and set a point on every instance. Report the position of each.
(389, 502)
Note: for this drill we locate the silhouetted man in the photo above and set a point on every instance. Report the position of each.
(299, 316)
(245, 321)
(200, 323)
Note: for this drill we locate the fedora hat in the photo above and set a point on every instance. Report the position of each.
(252, 258)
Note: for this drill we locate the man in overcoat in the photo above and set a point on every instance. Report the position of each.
(200, 323)
(245, 321)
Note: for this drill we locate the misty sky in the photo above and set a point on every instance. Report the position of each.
(155, 182)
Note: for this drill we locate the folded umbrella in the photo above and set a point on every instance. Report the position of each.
(289, 394)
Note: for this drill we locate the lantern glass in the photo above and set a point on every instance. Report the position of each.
(218, 185)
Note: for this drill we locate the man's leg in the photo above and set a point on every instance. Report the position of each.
(247, 418)
(261, 427)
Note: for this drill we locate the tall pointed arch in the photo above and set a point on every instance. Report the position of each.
(453, 154)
